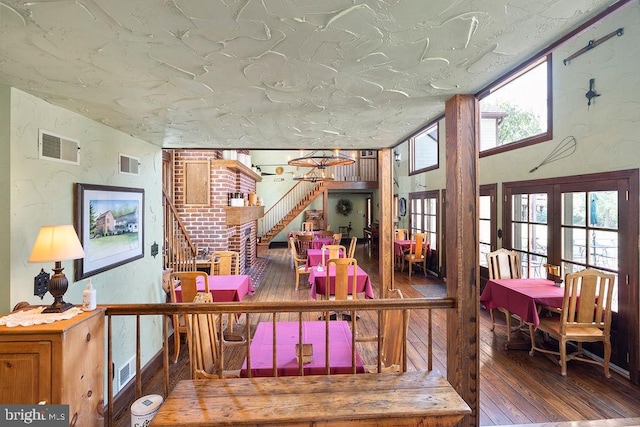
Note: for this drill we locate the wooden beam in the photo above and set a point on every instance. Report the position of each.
(385, 239)
(462, 134)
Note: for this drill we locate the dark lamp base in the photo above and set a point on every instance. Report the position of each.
(58, 285)
(58, 307)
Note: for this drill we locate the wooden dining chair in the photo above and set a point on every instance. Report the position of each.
(227, 263)
(303, 243)
(352, 247)
(332, 251)
(585, 317)
(393, 338)
(504, 264)
(299, 263)
(343, 282)
(417, 253)
(187, 281)
(206, 359)
(325, 233)
(337, 238)
(307, 226)
(401, 234)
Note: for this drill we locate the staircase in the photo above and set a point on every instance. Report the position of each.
(285, 210)
(179, 252)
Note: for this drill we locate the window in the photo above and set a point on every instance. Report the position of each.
(516, 110)
(424, 215)
(590, 233)
(529, 231)
(423, 150)
(487, 213)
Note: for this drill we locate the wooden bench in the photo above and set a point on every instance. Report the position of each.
(418, 398)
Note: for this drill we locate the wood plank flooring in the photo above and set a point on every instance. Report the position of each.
(515, 388)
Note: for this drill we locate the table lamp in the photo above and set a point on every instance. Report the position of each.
(56, 243)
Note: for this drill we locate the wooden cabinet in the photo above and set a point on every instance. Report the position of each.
(58, 363)
(315, 216)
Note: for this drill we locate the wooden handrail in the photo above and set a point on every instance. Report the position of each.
(292, 199)
(299, 307)
(280, 307)
(179, 252)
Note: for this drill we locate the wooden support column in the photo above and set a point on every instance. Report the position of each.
(462, 133)
(385, 239)
(325, 209)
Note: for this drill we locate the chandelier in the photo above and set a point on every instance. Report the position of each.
(322, 159)
(313, 176)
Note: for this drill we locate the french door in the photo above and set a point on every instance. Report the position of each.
(587, 221)
(423, 218)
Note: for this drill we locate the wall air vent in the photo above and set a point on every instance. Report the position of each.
(128, 165)
(58, 148)
(126, 373)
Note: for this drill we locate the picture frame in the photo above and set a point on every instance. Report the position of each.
(110, 225)
(368, 154)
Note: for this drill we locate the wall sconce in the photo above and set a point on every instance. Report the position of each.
(397, 157)
(55, 243)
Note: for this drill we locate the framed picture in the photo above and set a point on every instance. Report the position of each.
(368, 154)
(110, 224)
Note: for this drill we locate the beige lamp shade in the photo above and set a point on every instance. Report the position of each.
(56, 243)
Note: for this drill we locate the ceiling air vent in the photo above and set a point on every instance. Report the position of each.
(129, 165)
(58, 148)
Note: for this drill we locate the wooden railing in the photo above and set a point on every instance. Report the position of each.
(365, 170)
(179, 252)
(290, 204)
(418, 306)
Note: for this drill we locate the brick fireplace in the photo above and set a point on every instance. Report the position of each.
(206, 222)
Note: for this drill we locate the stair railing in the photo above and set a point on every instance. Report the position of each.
(292, 199)
(179, 252)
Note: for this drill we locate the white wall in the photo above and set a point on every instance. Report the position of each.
(5, 197)
(42, 193)
(607, 132)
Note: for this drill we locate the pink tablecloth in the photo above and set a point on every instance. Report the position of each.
(521, 296)
(314, 257)
(319, 242)
(318, 280)
(399, 246)
(287, 336)
(225, 288)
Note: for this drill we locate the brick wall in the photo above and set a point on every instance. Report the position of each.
(206, 225)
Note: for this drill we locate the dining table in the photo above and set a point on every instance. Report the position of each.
(224, 288)
(319, 242)
(401, 246)
(522, 297)
(287, 336)
(314, 256)
(318, 281)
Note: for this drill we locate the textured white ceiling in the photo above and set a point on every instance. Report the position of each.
(270, 73)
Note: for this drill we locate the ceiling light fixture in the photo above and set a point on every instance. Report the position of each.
(313, 176)
(322, 159)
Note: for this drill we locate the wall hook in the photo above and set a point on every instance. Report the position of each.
(591, 93)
